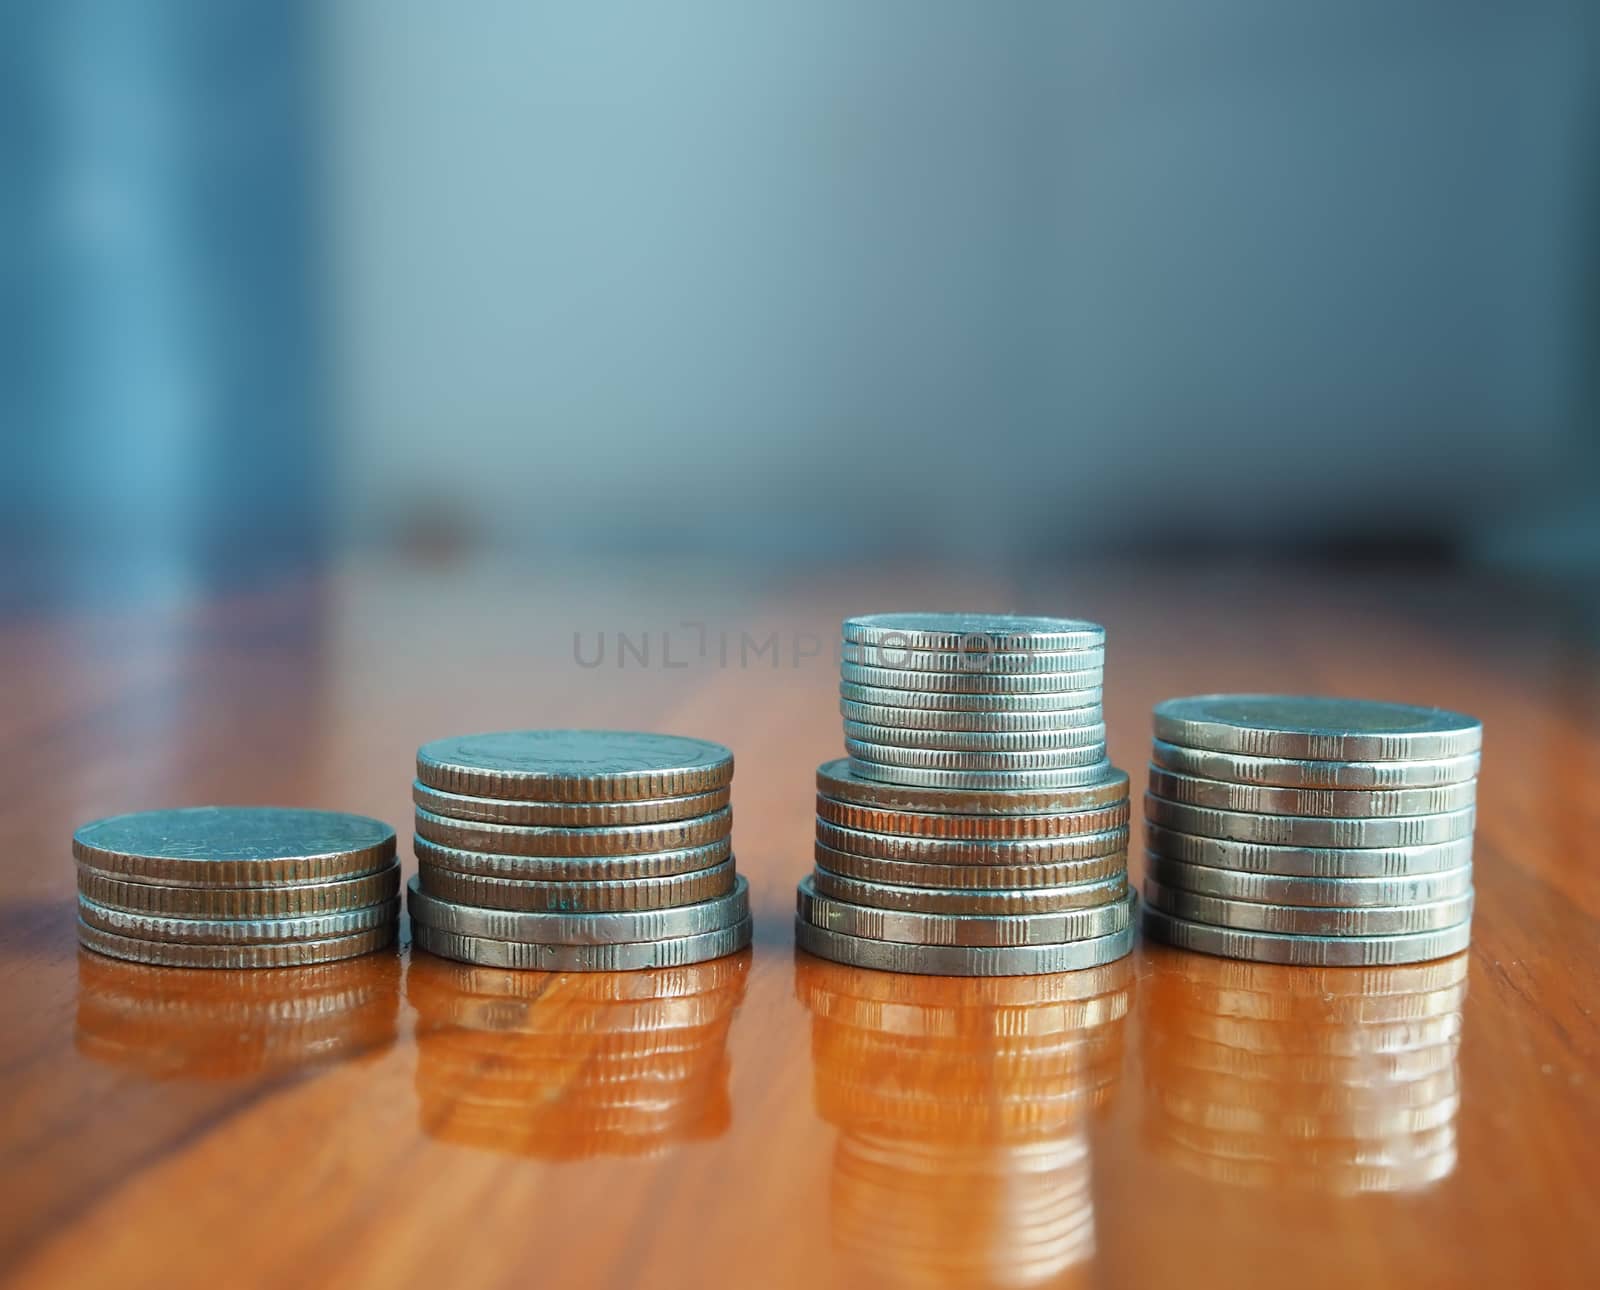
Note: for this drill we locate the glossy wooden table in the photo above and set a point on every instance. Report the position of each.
(773, 1120)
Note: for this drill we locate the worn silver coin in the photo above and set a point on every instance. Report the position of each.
(933, 900)
(1307, 861)
(574, 765)
(1306, 951)
(993, 781)
(544, 841)
(996, 633)
(1314, 728)
(1300, 920)
(979, 705)
(1276, 889)
(969, 682)
(838, 780)
(1339, 803)
(237, 931)
(972, 851)
(576, 815)
(655, 864)
(961, 960)
(995, 828)
(289, 900)
(967, 877)
(1024, 663)
(1002, 762)
(978, 741)
(631, 957)
(960, 929)
(1291, 772)
(578, 897)
(284, 954)
(1310, 831)
(913, 723)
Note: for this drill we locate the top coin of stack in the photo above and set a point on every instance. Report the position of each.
(977, 828)
(1311, 830)
(236, 886)
(576, 850)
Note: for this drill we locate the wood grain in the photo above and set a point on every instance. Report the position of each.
(772, 1119)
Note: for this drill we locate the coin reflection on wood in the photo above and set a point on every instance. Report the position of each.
(962, 1106)
(1335, 1081)
(230, 1025)
(570, 1065)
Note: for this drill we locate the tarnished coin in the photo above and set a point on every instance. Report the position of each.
(998, 762)
(1307, 861)
(959, 633)
(961, 960)
(296, 900)
(580, 929)
(932, 900)
(888, 678)
(970, 851)
(234, 846)
(1288, 772)
(543, 841)
(838, 780)
(929, 824)
(914, 724)
(1299, 920)
(1311, 951)
(966, 877)
(1022, 663)
(581, 897)
(978, 741)
(577, 815)
(980, 705)
(574, 765)
(287, 954)
(1342, 803)
(1310, 831)
(1338, 893)
(582, 958)
(1315, 729)
(987, 780)
(658, 864)
(237, 931)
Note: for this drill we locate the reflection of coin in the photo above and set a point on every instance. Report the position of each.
(582, 958)
(490, 810)
(297, 900)
(987, 930)
(578, 897)
(1354, 951)
(574, 765)
(989, 998)
(921, 824)
(544, 841)
(993, 633)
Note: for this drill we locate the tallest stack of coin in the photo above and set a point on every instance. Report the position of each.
(976, 827)
(1308, 830)
(576, 850)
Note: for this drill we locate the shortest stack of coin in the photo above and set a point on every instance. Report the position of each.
(236, 886)
(967, 882)
(575, 851)
(1328, 832)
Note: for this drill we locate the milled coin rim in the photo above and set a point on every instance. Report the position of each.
(1308, 951)
(1304, 920)
(579, 815)
(917, 757)
(965, 930)
(977, 741)
(990, 663)
(948, 632)
(495, 864)
(896, 678)
(297, 900)
(1194, 721)
(578, 896)
(1044, 703)
(838, 780)
(935, 900)
(1315, 893)
(1327, 803)
(999, 781)
(552, 842)
(1297, 772)
(988, 877)
(437, 769)
(633, 956)
(1313, 831)
(956, 960)
(971, 852)
(952, 827)
(254, 957)
(237, 931)
(1306, 861)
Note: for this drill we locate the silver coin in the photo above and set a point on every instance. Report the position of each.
(838, 780)
(237, 931)
(1307, 862)
(1339, 893)
(914, 722)
(632, 957)
(1306, 951)
(1341, 803)
(286, 954)
(961, 960)
(996, 633)
(579, 815)
(934, 900)
(1310, 831)
(553, 843)
(1028, 663)
(235, 846)
(944, 759)
(979, 741)
(1005, 705)
(1287, 772)
(990, 781)
(574, 765)
(1299, 920)
(966, 851)
(580, 929)
(655, 864)
(582, 897)
(289, 900)
(1315, 729)
(994, 828)
(969, 682)
(970, 877)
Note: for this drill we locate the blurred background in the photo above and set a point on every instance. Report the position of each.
(756, 281)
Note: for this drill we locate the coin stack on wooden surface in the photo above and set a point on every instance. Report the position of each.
(576, 850)
(1311, 831)
(976, 828)
(236, 886)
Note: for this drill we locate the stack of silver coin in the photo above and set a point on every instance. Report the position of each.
(1311, 831)
(576, 851)
(236, 886)
(976, 828)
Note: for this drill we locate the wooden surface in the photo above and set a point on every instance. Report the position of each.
(773, 1120)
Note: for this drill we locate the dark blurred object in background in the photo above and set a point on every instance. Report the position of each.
(975, 282)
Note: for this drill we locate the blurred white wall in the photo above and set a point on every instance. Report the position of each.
(957, 274)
